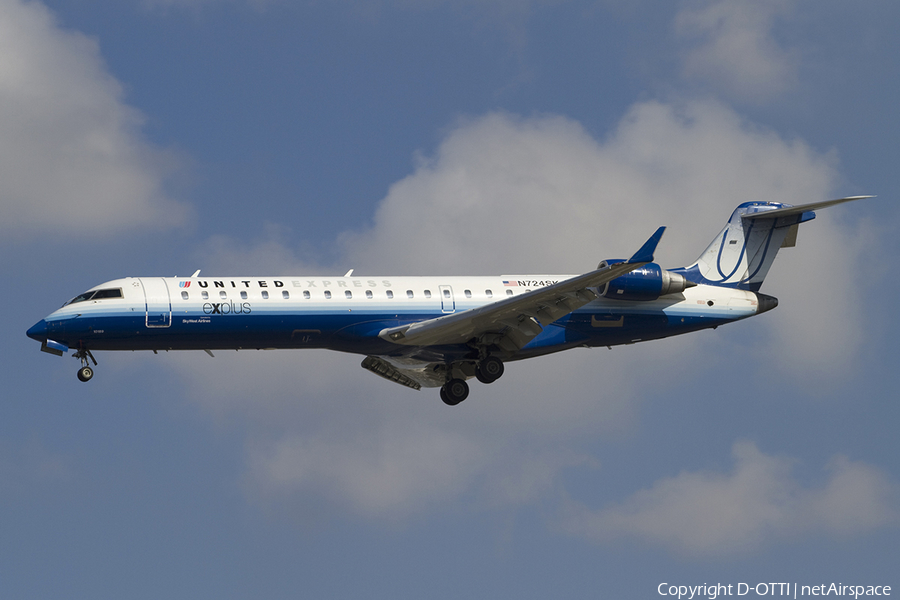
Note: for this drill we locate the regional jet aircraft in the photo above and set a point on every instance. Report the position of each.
(437, 331)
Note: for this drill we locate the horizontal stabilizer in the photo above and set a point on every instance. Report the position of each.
(800, 209)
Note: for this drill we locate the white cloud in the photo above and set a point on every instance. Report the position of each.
(704, 513)
(731, 45)
(318, 425)
(270, 255)
(378, 471)
(390, 468)
(816, 332)
(541, 195)
(72, 158)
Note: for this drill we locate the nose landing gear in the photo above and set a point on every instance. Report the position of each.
(85, 373)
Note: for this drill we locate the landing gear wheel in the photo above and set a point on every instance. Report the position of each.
(454, 391)
(489, 370)
(85, 374)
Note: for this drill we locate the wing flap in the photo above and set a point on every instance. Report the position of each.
(389, 371)
(413, 374)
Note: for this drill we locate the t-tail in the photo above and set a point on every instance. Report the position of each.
(741, 255)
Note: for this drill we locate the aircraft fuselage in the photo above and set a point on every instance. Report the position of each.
(348, 313)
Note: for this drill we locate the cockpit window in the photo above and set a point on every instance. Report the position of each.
(81, 298)
(97, 295)
(111, 293)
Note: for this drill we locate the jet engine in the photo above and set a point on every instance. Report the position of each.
(645, 283)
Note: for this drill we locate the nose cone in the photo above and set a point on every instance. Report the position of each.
(38, 331)
(766, 303)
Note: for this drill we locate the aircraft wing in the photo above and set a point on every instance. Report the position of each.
(513, 322)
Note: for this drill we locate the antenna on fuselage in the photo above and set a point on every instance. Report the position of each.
(349, 273)
(197, 272)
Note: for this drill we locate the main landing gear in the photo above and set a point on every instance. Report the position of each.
(85, 373)
(454, 391)
(488, 370)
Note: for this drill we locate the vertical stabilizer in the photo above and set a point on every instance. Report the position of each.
(741, 255)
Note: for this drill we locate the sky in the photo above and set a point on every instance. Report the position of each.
(401, 137)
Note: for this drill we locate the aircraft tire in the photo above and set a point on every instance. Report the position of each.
(85, 374)
(454, 391)
(489, 370)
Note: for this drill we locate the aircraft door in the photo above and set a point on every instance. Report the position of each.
(448, 303)
(156, 302)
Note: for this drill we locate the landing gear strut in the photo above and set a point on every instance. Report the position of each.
(489, 369)
(454, 391)
(85, 372)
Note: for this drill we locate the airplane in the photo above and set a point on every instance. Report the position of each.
(438, 331)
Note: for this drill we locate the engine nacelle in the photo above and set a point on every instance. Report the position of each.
(645, 283)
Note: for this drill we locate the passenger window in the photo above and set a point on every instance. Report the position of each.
(205, 295)
(390, 294)
(428, 293)
(243, 295)
(369, 294)
(409, 293)
(446, 293)
(285, 294)
(327, 295)
(509, 292)
(468, 293)
(223, 295)
(488, 293)
(184, 295)
(348, 294)
(306, 294)
(265, 295)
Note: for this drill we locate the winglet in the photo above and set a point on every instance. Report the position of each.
(645, 254)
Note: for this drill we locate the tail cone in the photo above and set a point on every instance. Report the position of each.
(766, 303)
